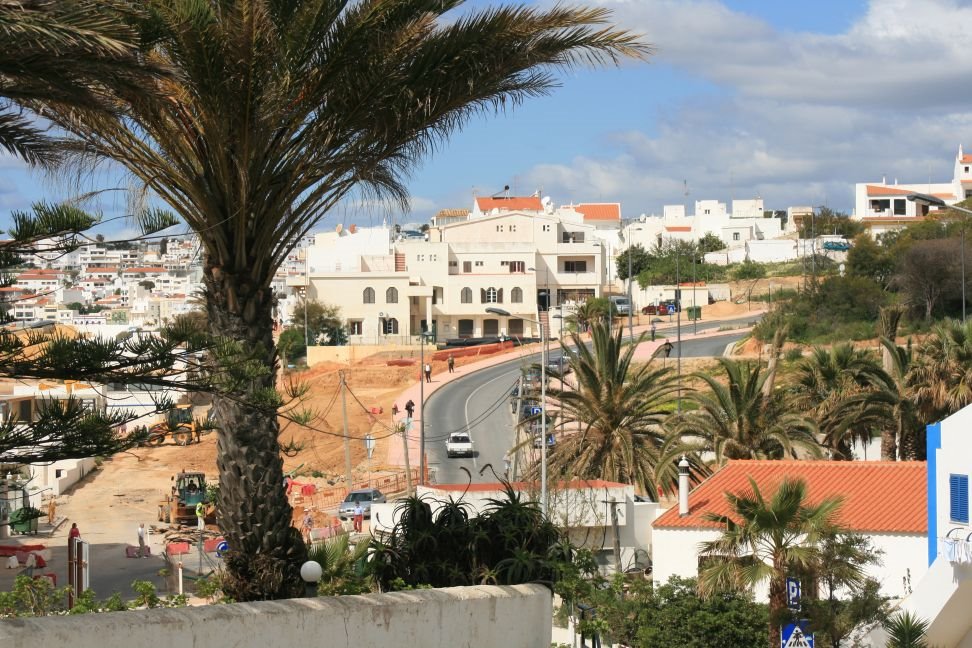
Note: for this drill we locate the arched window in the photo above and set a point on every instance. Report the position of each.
(516, 296)
(491, 295)
(368, 297)
(391, 326)
(391, 296)
(466, 296)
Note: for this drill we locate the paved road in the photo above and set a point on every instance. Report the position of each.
(480, 403)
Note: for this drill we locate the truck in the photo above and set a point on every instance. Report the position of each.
(179, 506)
(459, 444)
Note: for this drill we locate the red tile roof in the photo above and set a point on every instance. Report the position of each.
(878, 190)
(158, 269)
(678, 228)
(530, 203)
(879, 496)
(966, 159)
(600, 211)
(523, 485)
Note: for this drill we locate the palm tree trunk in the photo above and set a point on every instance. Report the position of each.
(779, 337)
(266, 551)
(889, 445)
(777, 605)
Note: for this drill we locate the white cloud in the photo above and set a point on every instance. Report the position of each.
(798, 118)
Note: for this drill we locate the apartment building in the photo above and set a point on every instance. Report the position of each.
(884, 207)
(522, 261)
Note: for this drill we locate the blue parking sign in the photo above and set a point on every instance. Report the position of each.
(793, 593)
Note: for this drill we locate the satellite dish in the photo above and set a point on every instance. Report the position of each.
(545, 201)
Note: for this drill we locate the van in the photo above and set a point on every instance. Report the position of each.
(620, 304)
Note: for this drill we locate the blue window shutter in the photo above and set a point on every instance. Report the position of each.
(958, 498)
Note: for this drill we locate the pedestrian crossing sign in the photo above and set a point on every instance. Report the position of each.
(795, 636)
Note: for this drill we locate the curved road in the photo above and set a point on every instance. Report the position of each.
(480, 403)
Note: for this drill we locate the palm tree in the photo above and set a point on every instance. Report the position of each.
(590, 312)
(906, 630)
(66, 55)
(278, 110)
(735, 420)
(943, 373)
(823, 382)
(764, 540)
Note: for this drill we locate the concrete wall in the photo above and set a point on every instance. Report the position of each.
(352, 353)
(60, 475)
(484, 617)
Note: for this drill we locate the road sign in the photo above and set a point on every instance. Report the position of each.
(222, 548)
(535, 411)
(369, 444)
(793, 593)
(795, 635)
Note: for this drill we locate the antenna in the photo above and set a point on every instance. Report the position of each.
(685, 185)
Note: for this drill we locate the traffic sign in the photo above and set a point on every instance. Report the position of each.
(794, 635)
(793, 593)
(535, 411)
(222, 548)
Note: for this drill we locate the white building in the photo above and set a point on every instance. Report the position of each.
(581, 507)
(944, 596)
(883, 501)
(884, 207)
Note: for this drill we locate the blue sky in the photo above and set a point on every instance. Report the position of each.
(790, 101)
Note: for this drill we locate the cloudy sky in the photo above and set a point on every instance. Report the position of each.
(793, 102)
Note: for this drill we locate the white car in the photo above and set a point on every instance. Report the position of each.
(459, 445)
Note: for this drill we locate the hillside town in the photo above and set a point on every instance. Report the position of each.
(287, 398)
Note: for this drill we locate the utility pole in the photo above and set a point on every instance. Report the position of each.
(695, 304)
(678, 327)
(630, 303)
(347, 435)
(408, 468)
(617, 533)
(421, 479)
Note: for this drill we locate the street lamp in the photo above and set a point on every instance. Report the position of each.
(543, 404)
(630, 303)
(311, 573)
(927, 200)
(422, 338)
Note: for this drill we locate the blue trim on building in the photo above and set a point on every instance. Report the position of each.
(933, 443)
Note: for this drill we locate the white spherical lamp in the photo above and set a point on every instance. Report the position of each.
(311, 571)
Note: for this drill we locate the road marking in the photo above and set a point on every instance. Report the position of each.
(466, 410)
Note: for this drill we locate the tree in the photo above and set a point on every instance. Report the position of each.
(618, 411)
(846, 598)
(291, 345)
(830, 221)
(748, 270)
(147, 284)
(926, 273)
(592, 311)
(869, 260)
(735, 420)
(276, 111)
(763, 541)
(906, 630)
(640, 260)
(66, 55)
(710, 243)
(942, 382)
(323, 322)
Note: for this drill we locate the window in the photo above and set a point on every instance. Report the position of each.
(735, 236)
(515, 327)
(575, 266)
(958, 498)
(433, 257)
(420, 257)
(479, 264)
(465, 328)
(572, 237)
(453, 264)
(517, 266)
(391, 295)
(499, 228)
(546, 228)
(355, 327)
(466, 296)
(490, 327)
(516, 296)
(490, 296)
(512, 228)
(467, 266)
(368, 297)
(899, 207)
(389, 326)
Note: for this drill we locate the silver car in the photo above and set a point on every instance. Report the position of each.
(365, 497)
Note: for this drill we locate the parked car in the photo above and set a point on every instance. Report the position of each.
(671, 306)
(558, 365)
(620, 305)
(650, 309)
(364, 496)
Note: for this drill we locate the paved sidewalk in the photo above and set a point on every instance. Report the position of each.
(396, 451)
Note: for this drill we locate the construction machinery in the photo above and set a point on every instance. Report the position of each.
(179, 506)
(179, 424)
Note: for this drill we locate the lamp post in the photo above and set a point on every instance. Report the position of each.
(310, 573)
(543, 404)
(422, 338)
(630, 303)
(927, 200)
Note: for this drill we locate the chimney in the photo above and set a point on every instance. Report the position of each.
(683, 487)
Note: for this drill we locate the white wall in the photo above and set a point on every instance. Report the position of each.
(60, 475)
(457, 617)
(674, 552)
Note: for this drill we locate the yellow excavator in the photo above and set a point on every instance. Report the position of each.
(179, 506)
(179, 423)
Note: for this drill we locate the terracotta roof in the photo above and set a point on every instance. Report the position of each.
(966, 159)
(101, 269)
(678, 228)
(879, 496)
(30, 276)
(486, 203)
(452, 213)
(878, 190)
(146, 269)
(523, 485)
(600, 211)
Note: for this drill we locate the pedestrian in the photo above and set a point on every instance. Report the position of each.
(200, 516)
(75, 531)
(358, 517)
(452, 363)
(142, 548)
(668, 348)
(51, 511)
(653, 332)
(428, 372)
(308, 525)
(409, 408)
(394, 409)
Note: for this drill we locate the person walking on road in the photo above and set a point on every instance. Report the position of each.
(358, 517)
(410, 408)
(200, 516)
(428, 372)
(452, 363)
(667, 347)
(51, 511)
(142, 548)
(75, 531)
(652, 332)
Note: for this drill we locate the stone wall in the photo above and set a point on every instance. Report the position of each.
(458, 617)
